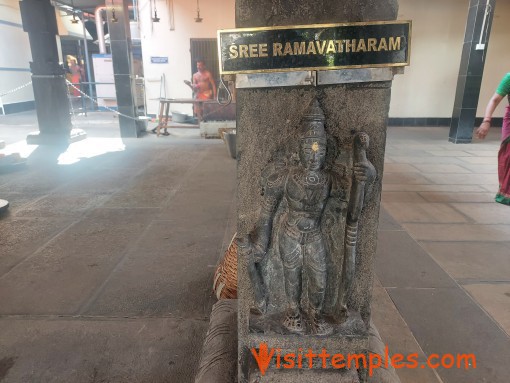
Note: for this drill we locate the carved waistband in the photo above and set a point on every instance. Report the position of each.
(303, 237)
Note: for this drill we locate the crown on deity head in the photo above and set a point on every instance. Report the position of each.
(313, 122)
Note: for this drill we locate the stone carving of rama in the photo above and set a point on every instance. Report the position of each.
(306, 189)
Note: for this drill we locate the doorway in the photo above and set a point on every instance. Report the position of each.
(206, 50)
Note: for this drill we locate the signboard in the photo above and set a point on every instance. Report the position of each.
(103, 74)
(159, 60)
(315, 47)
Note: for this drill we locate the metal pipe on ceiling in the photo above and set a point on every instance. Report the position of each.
(100, 28)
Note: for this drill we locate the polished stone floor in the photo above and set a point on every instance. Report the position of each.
(443, 261)
(108, 250)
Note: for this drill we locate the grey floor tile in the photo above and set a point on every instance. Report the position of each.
(392, 328)
(446, 197)
(422, 374)
(169, 272)
(461, 179)
(63, 274)
(495, 299)
(179, 251)
(59, 204)
(428, 160)
(483, 153)
(447, 321)
(424, 212)
(405, 178)
(458, 232)
(478, 261)
(441, 168)
(481, 169)
(100, 350)
(399, 168)
(18, 201)
(491, 187)
(20, 237)
(481, 160)
(450, 153)
(38, 180)
(387, 222)
(401, 196)
(485, 213)
(401, 262)
(100, 180)
(434, 188)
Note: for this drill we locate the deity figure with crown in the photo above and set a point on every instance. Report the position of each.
(306, 189)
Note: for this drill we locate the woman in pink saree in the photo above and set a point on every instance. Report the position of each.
(503, 195)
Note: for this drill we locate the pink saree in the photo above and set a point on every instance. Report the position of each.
(503, 195)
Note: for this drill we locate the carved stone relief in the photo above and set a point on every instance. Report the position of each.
(306, 234)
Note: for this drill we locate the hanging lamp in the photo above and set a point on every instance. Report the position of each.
(198, 19)
(155, 19)
(74, 20)
(114, 18)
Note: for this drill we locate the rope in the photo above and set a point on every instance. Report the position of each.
(95, 102)
(223, 105)
(16, 89)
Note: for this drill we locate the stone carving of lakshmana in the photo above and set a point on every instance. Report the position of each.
(306, 189)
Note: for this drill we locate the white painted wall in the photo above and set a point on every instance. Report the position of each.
(159, 40)
(14, 53)
(498, 58)
(427, 89)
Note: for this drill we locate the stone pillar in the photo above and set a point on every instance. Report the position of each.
(117, 14)
(471, 70)
(48, 77)
(312, 219)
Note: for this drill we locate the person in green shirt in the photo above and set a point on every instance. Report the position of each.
(503, 195)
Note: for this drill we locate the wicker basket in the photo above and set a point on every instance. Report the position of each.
(225, 277)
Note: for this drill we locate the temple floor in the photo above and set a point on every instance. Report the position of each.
(108, 250)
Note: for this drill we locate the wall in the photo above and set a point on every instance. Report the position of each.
(498, 58)
(427, 89)
(15, 54)
(159, 40)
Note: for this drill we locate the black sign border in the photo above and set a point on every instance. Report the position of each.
(280, 27)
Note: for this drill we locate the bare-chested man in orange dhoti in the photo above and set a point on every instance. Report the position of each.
(204, 87)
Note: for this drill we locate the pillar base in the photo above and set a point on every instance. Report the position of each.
(38, 138)
(218, 360)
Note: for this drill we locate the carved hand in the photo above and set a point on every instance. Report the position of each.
(258, 252)
(248, 248)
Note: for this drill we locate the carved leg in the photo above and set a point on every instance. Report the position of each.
(259, 290)
(315, 255)
(293, 281)
(292, 257)
(245, 250)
